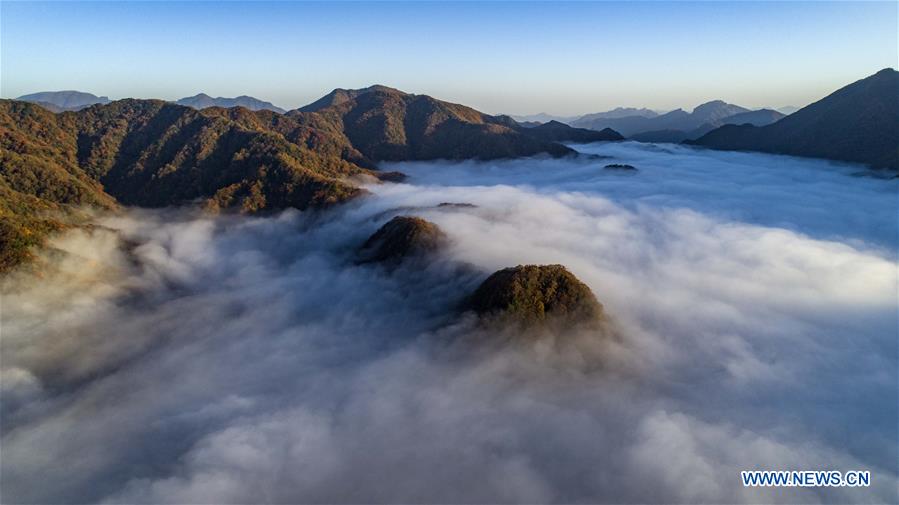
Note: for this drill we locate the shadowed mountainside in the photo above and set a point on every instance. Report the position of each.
(385, 124)
(858, 123)
(675, 120)
(561, 132)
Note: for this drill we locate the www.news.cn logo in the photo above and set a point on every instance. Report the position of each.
(808, 478)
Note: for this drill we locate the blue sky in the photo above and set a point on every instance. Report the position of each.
(563, 58)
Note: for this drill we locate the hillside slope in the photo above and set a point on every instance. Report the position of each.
(148, 153)
(858, 123)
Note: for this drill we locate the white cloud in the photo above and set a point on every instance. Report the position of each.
(181, 358)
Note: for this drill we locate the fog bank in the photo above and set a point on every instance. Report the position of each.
(172, 357)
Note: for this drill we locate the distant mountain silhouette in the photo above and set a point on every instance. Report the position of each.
(543, 118)
(788, 109)
(560, 132)
(760, 117)
(859, 123)
(618, 113)
(675, 120)
(203, 101)
(64, 100)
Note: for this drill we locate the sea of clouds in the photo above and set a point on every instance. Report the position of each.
(172, 357)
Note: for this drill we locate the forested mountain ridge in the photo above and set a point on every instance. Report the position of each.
(155, 153)
(149, 153)
(385, 124)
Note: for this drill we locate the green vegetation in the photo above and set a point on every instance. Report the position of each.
(530, 295)
(402, 237)
(385, 124)
(153, 153)
(148, 153)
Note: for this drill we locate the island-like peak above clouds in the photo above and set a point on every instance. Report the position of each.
(855, 123)
(58, 101)
(203, 101)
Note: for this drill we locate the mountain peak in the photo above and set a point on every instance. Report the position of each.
(715, 110)
(341, 95)
(711, 104)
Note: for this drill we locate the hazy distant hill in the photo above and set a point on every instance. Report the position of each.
(203, 101)
(561, 132)
(616, 113)
(385, 124)
(64, 100)
(788, 109)
(859, 122)
(675, 120)
(543, 117)
(759, 117)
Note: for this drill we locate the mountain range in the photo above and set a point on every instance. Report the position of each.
(858, 123)
(618, 112)
(759, 117)
(678, 119)
(155, 153)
